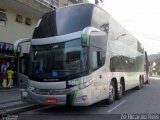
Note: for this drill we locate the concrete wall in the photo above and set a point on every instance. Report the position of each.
(28, 9)
(35, 5)
(15, 30)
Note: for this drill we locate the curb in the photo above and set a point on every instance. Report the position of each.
(17, 110)
(10, 101)
(9, 89)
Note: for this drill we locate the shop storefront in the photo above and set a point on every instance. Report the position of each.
(8, 66)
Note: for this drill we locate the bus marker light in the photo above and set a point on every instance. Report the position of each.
(51, 100)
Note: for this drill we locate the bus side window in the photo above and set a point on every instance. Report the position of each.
(98, 59)
(112, 67)
(94, 60)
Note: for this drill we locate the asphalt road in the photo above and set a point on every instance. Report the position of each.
(144, 101)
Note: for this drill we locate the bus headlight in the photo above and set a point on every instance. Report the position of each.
(81, 86)
(84, 85)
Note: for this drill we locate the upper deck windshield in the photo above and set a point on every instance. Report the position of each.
(58, 59)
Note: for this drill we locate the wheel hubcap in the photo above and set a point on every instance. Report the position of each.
(111, 92)
(120, 90)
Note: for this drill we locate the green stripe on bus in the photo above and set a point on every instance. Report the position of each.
(85, 38)
(72, 97)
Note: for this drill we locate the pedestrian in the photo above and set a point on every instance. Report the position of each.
(4, 74)
(10, 74)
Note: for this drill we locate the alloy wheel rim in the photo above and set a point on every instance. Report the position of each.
(120, 90)
(111, 92)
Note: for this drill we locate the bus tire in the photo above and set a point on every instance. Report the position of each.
(119, 92)
(140, 84)
(111, 97)
(147, 82)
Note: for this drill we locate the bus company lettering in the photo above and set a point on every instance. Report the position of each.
(74, 82)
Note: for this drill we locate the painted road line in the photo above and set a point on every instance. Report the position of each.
(116, 106)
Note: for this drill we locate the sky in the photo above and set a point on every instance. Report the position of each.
(141, 18)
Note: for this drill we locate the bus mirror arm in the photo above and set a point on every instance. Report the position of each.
(18, 42)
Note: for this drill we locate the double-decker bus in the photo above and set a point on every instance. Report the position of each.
(80, 55)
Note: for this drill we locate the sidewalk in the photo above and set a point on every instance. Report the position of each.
(9, 95)
(10, 101)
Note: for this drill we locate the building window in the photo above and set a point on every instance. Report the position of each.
(3, 17)
(28, 21)
(19, 18)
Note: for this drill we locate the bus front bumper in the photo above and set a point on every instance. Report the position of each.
(76, 98)
(46, 99)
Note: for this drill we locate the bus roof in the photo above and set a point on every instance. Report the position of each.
(71, 19)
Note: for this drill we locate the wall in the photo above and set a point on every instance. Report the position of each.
(14, 30)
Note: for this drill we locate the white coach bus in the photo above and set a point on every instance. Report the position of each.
(80, 55)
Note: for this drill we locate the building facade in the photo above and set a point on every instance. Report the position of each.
(62, 3)
(18, 19)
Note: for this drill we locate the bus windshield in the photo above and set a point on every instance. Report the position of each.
(58, 59)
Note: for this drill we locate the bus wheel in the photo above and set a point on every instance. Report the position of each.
(111, 98)
(140, 84)
(147, 82)
(119, 92)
